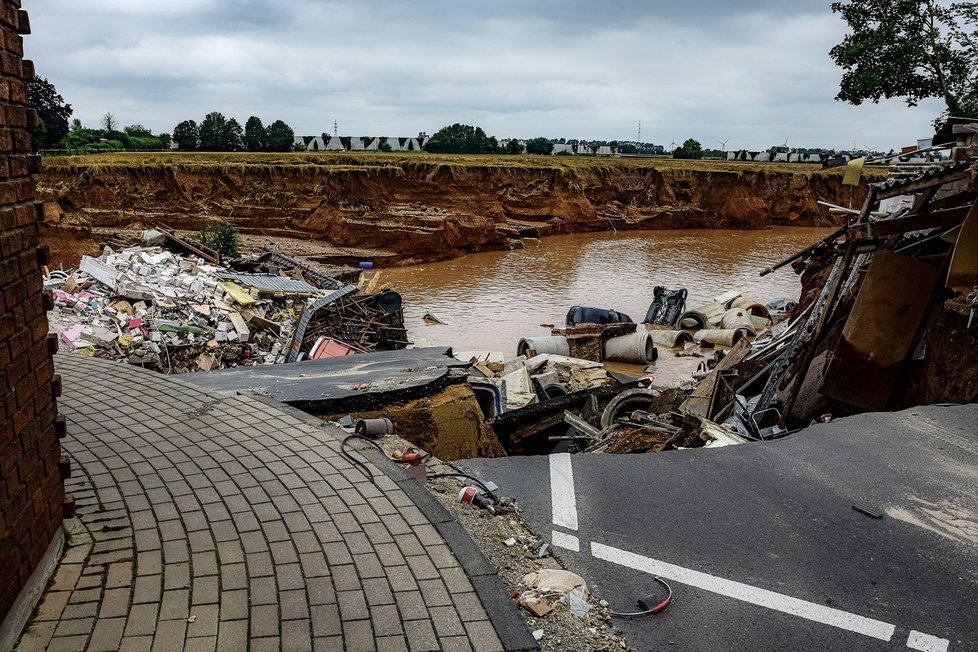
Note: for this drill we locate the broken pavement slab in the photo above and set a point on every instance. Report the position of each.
(355, 383)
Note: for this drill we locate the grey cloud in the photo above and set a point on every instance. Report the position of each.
(752, 72)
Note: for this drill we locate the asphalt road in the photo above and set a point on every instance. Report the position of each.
(760, 541)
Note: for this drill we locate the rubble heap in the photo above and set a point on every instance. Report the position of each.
(178, 313)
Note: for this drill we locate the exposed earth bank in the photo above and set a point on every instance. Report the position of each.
(418, 211)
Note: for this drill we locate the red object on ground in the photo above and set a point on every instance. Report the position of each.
(327, 347)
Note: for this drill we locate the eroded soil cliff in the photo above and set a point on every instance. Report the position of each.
(426, 210)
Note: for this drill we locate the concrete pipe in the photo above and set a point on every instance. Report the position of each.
(635, 348)
(737, 318)
(670, 339)
(626, 403)
(721, 336)
(555, 344)
(753, 306)
(703, 317)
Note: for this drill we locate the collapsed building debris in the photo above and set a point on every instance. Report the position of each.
(178, 313)
(873, 326)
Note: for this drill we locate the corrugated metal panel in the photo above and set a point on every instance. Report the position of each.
(307, 313)
(272, 283)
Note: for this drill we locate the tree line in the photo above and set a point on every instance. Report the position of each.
(216, 133)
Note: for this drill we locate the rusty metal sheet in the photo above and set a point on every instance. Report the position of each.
(880, 331)
(963, 274)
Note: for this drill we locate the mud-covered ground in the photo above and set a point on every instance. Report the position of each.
(404, 211)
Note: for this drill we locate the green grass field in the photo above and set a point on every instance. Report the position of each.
(374, 161)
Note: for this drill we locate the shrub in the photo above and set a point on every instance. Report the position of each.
(222, 238)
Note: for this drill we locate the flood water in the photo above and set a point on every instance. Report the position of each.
(491, 300)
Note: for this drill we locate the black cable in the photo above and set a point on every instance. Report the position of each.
(363, 466)
(354, 460)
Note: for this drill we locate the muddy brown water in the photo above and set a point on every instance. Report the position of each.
(491, 300)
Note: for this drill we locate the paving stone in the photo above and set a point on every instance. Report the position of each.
(353, 605)
(483, 636)
(175, 605)
(391, 644)
(411, 605)
(293, 604)
(205, 590)
(234, 604)
(447, 622)
(378, 591)
(147, 588)
(142, 620)
(170, 636)
(136, 644)
(434, 593)
(325, 620)
(264, 620)
(205, 621)
(202, 644)
(263, 591)
(455, 644)
(85, 610)
(296, 636)
(421, 636)
(232, 635)
(328, 644)
(289, 576)
(386, 621)
(80, 626)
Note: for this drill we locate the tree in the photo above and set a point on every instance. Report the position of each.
(514, 146)
(255, 136)
(690, 149)
(233, 136)
(187, 136)
(461, 139)
(912, 49)
(280, 137)
(138, 131)
(218, 134)
(52, 110)
(109, 123)
(76, 124)
(539, 145)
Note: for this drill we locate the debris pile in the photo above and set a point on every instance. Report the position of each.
(885, 319)
(178, 313)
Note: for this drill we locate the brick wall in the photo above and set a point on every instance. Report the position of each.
(31, 486)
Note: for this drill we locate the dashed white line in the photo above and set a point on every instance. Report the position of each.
(562, 498)
(745, 592)
(926, 642)
(565, 541)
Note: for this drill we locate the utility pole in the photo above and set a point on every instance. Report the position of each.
(335, 129)
(639, 131)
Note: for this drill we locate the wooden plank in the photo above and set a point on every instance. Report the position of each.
(919, 186)
(963, 273)
(921, 222)
(880, 330)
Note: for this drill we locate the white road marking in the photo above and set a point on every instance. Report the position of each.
(926, 642)
(566, 541)
(751, 594)
(562, 491)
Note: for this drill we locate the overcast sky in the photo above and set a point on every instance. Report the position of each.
(753, 73)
